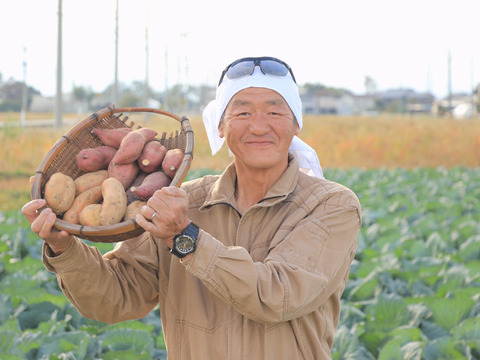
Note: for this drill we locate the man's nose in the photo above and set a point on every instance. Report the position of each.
(259, 124)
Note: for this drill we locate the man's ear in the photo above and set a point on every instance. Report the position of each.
(220, 129)
(297, 128)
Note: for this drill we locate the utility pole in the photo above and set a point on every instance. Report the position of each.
(115, 76)
(429, 80)
(450, 110)
(474, 93)
(58, 99)
(165, 105)
(23, 114)
(147, 91)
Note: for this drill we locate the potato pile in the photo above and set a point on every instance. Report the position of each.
(120, 176)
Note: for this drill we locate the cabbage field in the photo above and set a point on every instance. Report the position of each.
(414, 289)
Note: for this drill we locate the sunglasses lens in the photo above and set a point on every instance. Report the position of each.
(271, 67)
(243, 68)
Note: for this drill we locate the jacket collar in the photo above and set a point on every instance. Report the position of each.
(223, 190)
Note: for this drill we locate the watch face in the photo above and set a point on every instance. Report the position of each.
(184, 244)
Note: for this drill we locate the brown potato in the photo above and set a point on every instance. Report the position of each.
(114, 202)
(88, 197)
(60, 192)
(133, 209)
(89, 180)
(90, 215)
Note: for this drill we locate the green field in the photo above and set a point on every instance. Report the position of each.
(414, 289)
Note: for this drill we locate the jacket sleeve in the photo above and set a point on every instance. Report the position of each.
(300, 273)
(110, 288)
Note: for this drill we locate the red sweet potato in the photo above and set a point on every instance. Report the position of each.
(171, 162)
(93, 159)
(126, 173)
(131, 197)
(111, 137)
(152, 156)
(153, 182)
(132, 145)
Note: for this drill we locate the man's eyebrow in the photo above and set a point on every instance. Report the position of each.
(275, 102)
(240, 102)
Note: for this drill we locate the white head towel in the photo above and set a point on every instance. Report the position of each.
(285, 86)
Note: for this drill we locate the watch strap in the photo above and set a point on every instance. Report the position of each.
(192, 230)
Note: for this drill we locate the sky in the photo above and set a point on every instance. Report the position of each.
(400, 44)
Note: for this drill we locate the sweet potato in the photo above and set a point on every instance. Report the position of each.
(89, 180)
(133, 209)
(132, 145)
(114, 202)
(171, 162)
(90, 215)
(94, 159)
(124, 173)
(150, 184)
(88, 197)
(59, 192)
(111, 137)
(152, 156)
(131, 197)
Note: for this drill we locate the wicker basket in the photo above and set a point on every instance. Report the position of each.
(61, 158)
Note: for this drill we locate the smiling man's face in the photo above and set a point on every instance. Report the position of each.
(259, 126)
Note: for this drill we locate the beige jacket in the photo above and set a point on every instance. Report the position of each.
(265, 285)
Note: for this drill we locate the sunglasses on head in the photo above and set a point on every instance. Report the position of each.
(246, 66)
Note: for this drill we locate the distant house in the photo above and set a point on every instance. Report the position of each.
(340, 102)
(364, 105)
(322, 103)
(405, 101)
(459, 106)
(42, 103)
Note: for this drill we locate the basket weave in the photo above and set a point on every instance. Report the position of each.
(61, 158)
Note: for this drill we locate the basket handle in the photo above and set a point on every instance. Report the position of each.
(145, 109)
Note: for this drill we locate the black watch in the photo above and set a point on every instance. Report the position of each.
(186, 242)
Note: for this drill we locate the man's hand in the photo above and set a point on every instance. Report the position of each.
(169, 205)
(41, 223)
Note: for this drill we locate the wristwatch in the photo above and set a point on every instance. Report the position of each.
(186, 242)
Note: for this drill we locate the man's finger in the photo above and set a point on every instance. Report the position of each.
(173, 191)
(142, 222)
(29, 210)
(46, 229)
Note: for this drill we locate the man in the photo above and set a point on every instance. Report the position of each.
(250, 264)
